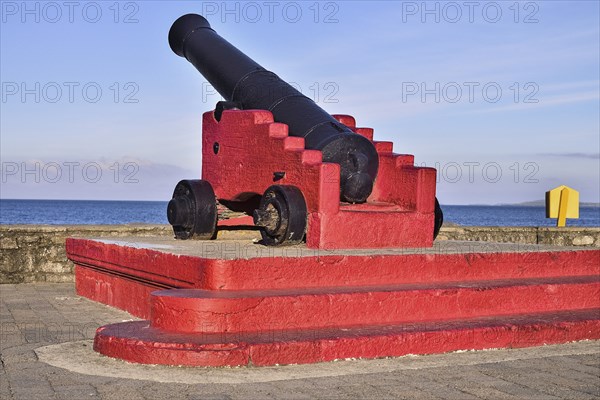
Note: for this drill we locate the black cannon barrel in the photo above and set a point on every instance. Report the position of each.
(241, 80)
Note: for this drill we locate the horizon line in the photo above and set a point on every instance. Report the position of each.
(523, 203)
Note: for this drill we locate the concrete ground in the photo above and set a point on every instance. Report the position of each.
(46, 352)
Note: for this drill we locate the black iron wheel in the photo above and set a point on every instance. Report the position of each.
(281, 215)
(439, 218)
(193, 210)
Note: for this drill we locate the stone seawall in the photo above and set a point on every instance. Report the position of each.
(35, 253)
(567, 236)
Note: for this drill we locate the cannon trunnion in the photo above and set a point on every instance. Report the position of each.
(289, 168)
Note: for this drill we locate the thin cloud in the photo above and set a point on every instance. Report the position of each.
(544, 102)
(593, 156)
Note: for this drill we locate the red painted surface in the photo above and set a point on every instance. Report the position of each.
(399, 212)
(138, 342)
(255, 267)
(202, 311)
(322, 306)
(136, 262)
(114, 290)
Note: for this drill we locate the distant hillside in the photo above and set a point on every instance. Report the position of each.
(542, 203)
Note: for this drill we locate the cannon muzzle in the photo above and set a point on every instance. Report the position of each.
(240, 80)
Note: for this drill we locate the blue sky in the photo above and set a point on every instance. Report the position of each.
(502, 97)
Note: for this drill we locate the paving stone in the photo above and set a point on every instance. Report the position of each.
(522, 384)
(119, 393)
(76, 391)
(592, 360)
(218, 396)
(471, 382)
(415, 379)
(554, 383)
(576, 367)
(406, 392)
(33, 394)
(571, 374)
(4, 386)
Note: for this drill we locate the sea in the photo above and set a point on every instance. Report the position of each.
(84, 212)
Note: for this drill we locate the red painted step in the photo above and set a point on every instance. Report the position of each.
(203, 311)
(138, 342)
(120, 291)
(239, 265)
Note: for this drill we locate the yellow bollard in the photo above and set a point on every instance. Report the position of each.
(562, 208)
(562, 203)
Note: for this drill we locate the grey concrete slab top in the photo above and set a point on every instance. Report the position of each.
(232, 249)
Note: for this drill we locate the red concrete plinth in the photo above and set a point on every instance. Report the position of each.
(217, 303)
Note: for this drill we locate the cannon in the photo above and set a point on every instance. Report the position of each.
(296, 171)
(245, 85)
